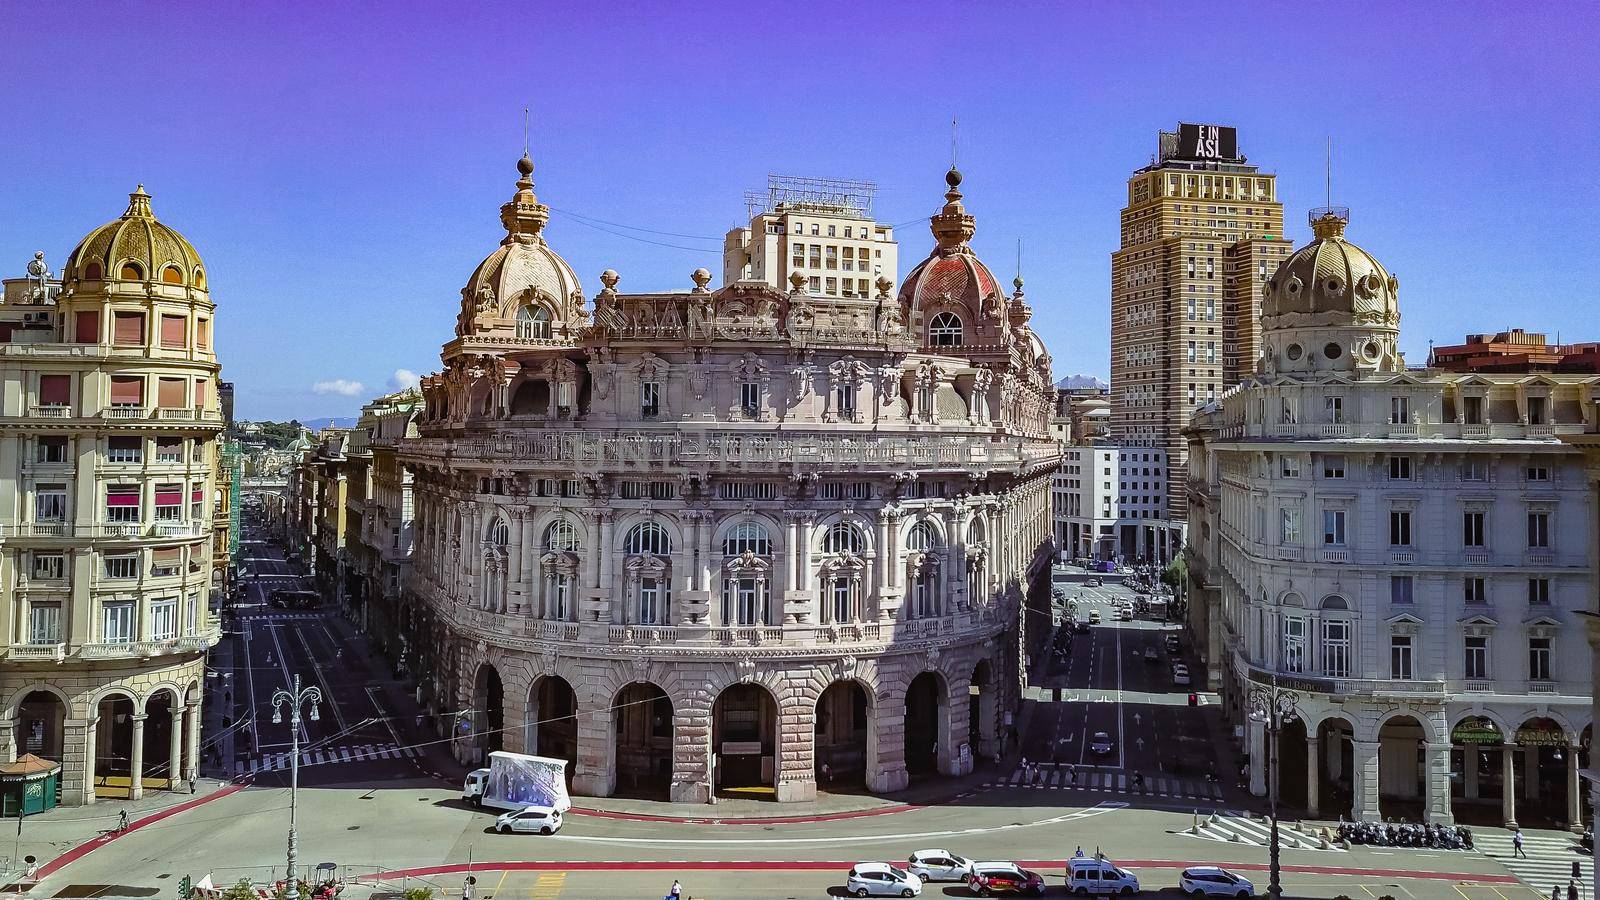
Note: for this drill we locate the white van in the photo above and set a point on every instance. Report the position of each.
(472, 788)
(1088, 875)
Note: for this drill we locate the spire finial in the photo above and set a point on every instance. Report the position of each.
(524, 131)
(952, 143)
(1328, 175)
(1017, 282)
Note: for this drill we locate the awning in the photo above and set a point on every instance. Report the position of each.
(118, 496)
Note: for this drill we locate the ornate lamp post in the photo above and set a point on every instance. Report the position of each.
(308, 697)
(1272, 707)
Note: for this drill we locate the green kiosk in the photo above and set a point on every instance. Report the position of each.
(28, 786)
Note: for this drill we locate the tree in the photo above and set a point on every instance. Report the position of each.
(1175, 575)
(241, 890)
(417, 893)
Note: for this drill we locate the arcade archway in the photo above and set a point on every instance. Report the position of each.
(551, 728)
(927, 724)
(744, 736)
(642, 719)
(842, 741)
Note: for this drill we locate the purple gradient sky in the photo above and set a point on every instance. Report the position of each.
(340, 166)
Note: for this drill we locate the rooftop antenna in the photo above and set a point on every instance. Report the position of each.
(524, 131)
(1328, 178)
(1019, 258)
(952, 142)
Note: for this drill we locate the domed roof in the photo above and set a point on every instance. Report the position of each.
(1331, 281)
(138, 239)
(523, 261)
(952, 272)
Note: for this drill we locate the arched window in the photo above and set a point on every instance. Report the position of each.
(923, 537)
(132, 272)
(747, 537)
(200, 279)
(648, 537)
(946, 330)
(843, 537)
(562, 537)
(922, 541)
(533, 323)
(92, 271)
(499, 533)
(172, 275)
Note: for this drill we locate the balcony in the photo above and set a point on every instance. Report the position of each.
(147, 649)
(177, 529)
(1404, 430)
(1334, 430)
(53, 411)
(124, 412)
(1403, 557)
(1335, 555)
(1539, 558)
(37, 653)
(1541, 431)
(39, 529)
(1474, 686)
(180, 415)
(1543, 686)
(1475, 432)
(1475, 557)
(1288, 553)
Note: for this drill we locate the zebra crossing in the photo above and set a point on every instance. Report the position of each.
(1106, 781)
(322, 756)
(1234, 827)
(285, 616)
(1549, 861)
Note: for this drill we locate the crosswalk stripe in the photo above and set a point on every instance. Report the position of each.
(1548, 862)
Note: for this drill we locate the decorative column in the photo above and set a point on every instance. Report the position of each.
(1574, 792)
(175, 770)
(1256, 736)
(595, 774)
(691, 748)
(1436, 784)
(8, 738)
(886, 735)
(591, 540)
(608, 560)
(1508, 777)
(1364, 780)
(517, 599)
(136, 765)
(191, 725)
(1313, 773)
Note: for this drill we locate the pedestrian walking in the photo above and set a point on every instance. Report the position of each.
(122, 820)
(1555, 892)
(1516, 847)
(1572, 890)
(1023, 765)
(1138, 780)
(1072, 773)
(827, 775)
(194, 783)
(677, 889)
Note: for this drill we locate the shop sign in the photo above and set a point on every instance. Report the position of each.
(1476, 731)
(1541, 737)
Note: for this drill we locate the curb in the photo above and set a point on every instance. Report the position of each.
(95, 843)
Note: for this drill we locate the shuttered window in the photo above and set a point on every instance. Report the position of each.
(169, 393)
(55, 390)
(202, 333)
(172, 328)
(86, 329)
(128, 328)
(199, 393)
(127, 390)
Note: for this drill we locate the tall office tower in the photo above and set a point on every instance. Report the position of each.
(1202, 231)
(820, 228)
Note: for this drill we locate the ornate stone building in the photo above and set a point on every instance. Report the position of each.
(737, 539)
(109, 420)
(1408, 550)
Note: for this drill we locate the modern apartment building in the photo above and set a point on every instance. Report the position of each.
(1405, 557)
(1201, 232)
(759, 539)
(109, 424)
(380, 537)
(1518, 351)
(821, 229)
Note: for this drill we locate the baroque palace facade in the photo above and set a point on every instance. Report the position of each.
(745, 539)
(1407, 552)
(109, 423)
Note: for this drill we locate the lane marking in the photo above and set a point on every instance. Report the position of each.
(322, 679)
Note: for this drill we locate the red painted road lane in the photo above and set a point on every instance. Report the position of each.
(810, 866)
(89, 846)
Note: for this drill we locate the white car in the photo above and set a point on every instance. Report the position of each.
(939, 865)
(871, 879)
(1180, 673)
(1201, 880)
(1101, 744)
(543, 819)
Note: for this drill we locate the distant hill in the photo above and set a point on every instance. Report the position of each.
(1075, 382)
(317, 425)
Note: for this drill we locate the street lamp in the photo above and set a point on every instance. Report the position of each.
(1272, 707)
(308, 697)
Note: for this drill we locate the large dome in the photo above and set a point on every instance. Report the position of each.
(1331, 282)
(952, 274)
(136, 247)
(523, 260)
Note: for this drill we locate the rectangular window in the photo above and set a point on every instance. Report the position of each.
(1288, 525)
(1474, 470)
(122, 503)
(750, 399)
(169, 502)
(1538, 590)
(1290, 467)
(169, 450)
(1399, 410)
(1399, 527)
(116, 622)
(1472, 410)
(652, 600)
(1539, 659)
(51, 449)
(50, 503)
(49, 565)
(165, 561)
(1333, 527)
(1333, 466)
(1294, 644)
(1192, 357)
(55, 390)
(1399, 468)
(1472, 528)
(127, 329)
(1538, 473)
(747, 490)
(127, 390)
(1334, 407)
(1475, 657)
(164, 619)
(125, 566)
(1336, 648)
(200, 393)
(124, 449)
(845, 399)
(202, 333)
(650, 399)
(1538, 530)
(44, 623)
(1400, 657)
(1401, 589)
(172, 332)
(1536, 411)
(1474, 590)
(170, 391)
(86, 327)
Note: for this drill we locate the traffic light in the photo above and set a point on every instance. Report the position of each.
(185, 888)
(1194, 699)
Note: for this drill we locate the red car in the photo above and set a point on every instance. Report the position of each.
(990, 878)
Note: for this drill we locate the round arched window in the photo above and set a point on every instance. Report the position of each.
(562, 537)
(648, 537)
(1294, 352)
(747, 537)
(1332, 351)
(946, 330)
(843, 538)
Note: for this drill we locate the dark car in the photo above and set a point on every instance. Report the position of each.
(990, 878)
(287, 599)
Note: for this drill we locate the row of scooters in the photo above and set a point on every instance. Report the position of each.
(1407, 834)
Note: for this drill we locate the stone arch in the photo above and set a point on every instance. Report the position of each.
(550, 720)
(1544, 744)
(163, 728)
(820, 531)
(983, 708)
(22, 691)
(1402, 737)
(115, 708)
(487, 719)
(1422, 720)
(746, 739)
(39, 716)
(1292, 598)
(927, 723)
(642, 727)
(775, 531)
(844, 734)
(531, 397)
(1330, 764)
